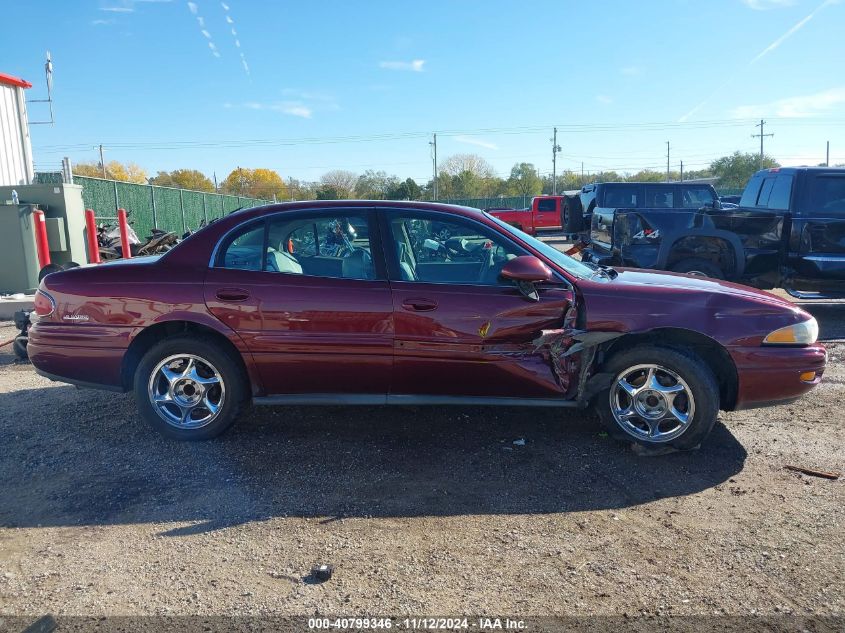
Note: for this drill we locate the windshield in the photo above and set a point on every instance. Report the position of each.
(570, 265)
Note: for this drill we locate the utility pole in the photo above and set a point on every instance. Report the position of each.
(667, 161)
(682, 171)
(555, 150)
(102, 161)
(216, 188)
(827, 156)
(433, 144)
(761, 125)
(582, 173)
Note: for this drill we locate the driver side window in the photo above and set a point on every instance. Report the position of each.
(434, 250)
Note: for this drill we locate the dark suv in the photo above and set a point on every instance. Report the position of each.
(788, 232)
(607, 196)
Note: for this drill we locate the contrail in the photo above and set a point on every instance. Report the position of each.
(231, 24)
(792, 31)
(194, 9)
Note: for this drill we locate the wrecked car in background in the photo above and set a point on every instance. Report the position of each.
(364, 303)
(787, 232)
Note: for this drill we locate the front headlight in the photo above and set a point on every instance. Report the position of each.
(804, 333)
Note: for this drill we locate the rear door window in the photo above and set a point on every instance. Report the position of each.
(826, 195)
(547, 204)
(697, 197)
(621, 197)
(659, 197)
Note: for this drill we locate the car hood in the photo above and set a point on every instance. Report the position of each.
(666, 282)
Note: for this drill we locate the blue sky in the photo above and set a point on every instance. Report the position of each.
(213, 85)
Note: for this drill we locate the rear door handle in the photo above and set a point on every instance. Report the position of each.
(232, 294)
(419, 305)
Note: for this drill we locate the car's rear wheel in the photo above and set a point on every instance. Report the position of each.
(189, 388)
(659, 397)
(698, 267)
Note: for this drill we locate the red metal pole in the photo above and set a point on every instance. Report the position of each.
(93, 245)
(41, 238)
(124, 233)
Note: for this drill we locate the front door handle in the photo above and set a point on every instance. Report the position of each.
(232, 294)
(419, 305)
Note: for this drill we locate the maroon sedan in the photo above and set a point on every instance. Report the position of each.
(373, 303)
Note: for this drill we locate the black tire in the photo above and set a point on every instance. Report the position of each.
(209, 354)
(698, 379)
(571, 217)
(698, 266)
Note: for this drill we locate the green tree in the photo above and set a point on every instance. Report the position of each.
(183, 179)
(408, 189)
(338, 182)
(735, 171)
(524, 180)
(255, 183)
(375, 185)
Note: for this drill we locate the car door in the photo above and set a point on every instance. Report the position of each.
(818, 232)
(547, 212)
(461, 330)
(612, 197)
(308, 294)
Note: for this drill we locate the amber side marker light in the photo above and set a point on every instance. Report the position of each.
(808, 376)
(43, 304)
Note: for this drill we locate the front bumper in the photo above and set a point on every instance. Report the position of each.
(772, 375)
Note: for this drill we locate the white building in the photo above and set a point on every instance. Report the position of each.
(15, 146)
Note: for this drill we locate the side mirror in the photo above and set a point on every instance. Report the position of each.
(526, 268)
(526, 271)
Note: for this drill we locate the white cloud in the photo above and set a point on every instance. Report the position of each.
(292, 108)
(414, 66)
(798, 107)
(102, 22)
(192, 6)
(795, 28)
(117, 9)
(469, 140)
(631, 71)
(604, 99)
(764, 5)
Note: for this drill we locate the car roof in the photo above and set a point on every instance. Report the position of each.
(795, 170)
(367, 204)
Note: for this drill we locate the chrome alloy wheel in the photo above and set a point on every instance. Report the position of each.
(651, 403)
(186, 391)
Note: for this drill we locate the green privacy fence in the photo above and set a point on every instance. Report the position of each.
(151, 206)
(513, 202)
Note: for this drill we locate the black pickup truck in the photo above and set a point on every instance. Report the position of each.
(788, 232)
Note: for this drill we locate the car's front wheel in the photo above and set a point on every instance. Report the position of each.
(659, 396)
(189, 388)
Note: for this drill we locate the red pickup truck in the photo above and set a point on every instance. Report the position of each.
(545, 212)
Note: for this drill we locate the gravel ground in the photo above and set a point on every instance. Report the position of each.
(425, 511)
